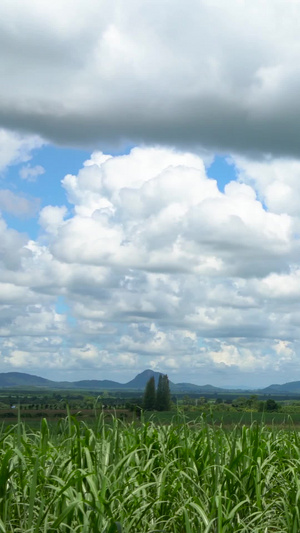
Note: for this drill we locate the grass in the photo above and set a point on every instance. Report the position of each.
(144, 478)
(232, 418)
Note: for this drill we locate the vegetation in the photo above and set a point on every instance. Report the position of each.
(149, 400)
(160, 399)
(163, 398)
(37, 403)
(178, 478)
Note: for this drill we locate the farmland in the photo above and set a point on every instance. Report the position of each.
(185, 477)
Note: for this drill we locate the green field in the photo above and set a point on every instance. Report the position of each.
(231, 418)
(146, 477)
(217, 418)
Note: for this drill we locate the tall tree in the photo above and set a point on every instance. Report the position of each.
(159, 395)
(149, 401)
(163, 397)
(166, 393)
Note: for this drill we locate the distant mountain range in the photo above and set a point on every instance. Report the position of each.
(293, 387)
(19, 379)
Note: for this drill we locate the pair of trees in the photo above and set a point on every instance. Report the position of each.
(160, 399)
(269, 406)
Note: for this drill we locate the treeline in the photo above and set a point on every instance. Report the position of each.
(54, 402)
(157, 399)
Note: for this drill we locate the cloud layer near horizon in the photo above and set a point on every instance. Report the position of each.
(154, 266)
(224, 75)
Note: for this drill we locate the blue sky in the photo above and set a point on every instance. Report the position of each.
(150, 192)
(56, 162)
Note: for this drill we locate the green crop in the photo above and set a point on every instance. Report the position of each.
(146, 478)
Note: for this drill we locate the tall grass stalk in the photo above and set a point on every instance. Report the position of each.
(146, 478)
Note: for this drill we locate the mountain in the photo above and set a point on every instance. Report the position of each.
(19, 379)
(93, 384)
(292, 387)
(137, 383)
(140, 381)
(189, 387)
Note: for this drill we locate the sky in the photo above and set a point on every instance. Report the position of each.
(150, 189)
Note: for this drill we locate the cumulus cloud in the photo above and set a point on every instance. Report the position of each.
(153, 266)
(158, 217)
(221, 75)
(12, 249)
(276, 181)
(51, 217)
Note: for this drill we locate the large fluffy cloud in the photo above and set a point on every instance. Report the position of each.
(167, 216)
(150, 264)
(221, 74)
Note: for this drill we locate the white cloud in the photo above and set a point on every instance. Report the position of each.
(161, 218)
(224, 75)
(30, 173)
(35, 320)
(52, 217)
(17, 205)
(280, 286)
(275, 179)
(230, 355)
(284, 350)
(16, 148)
(154, 266)
(88, 351)
(12, 249)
